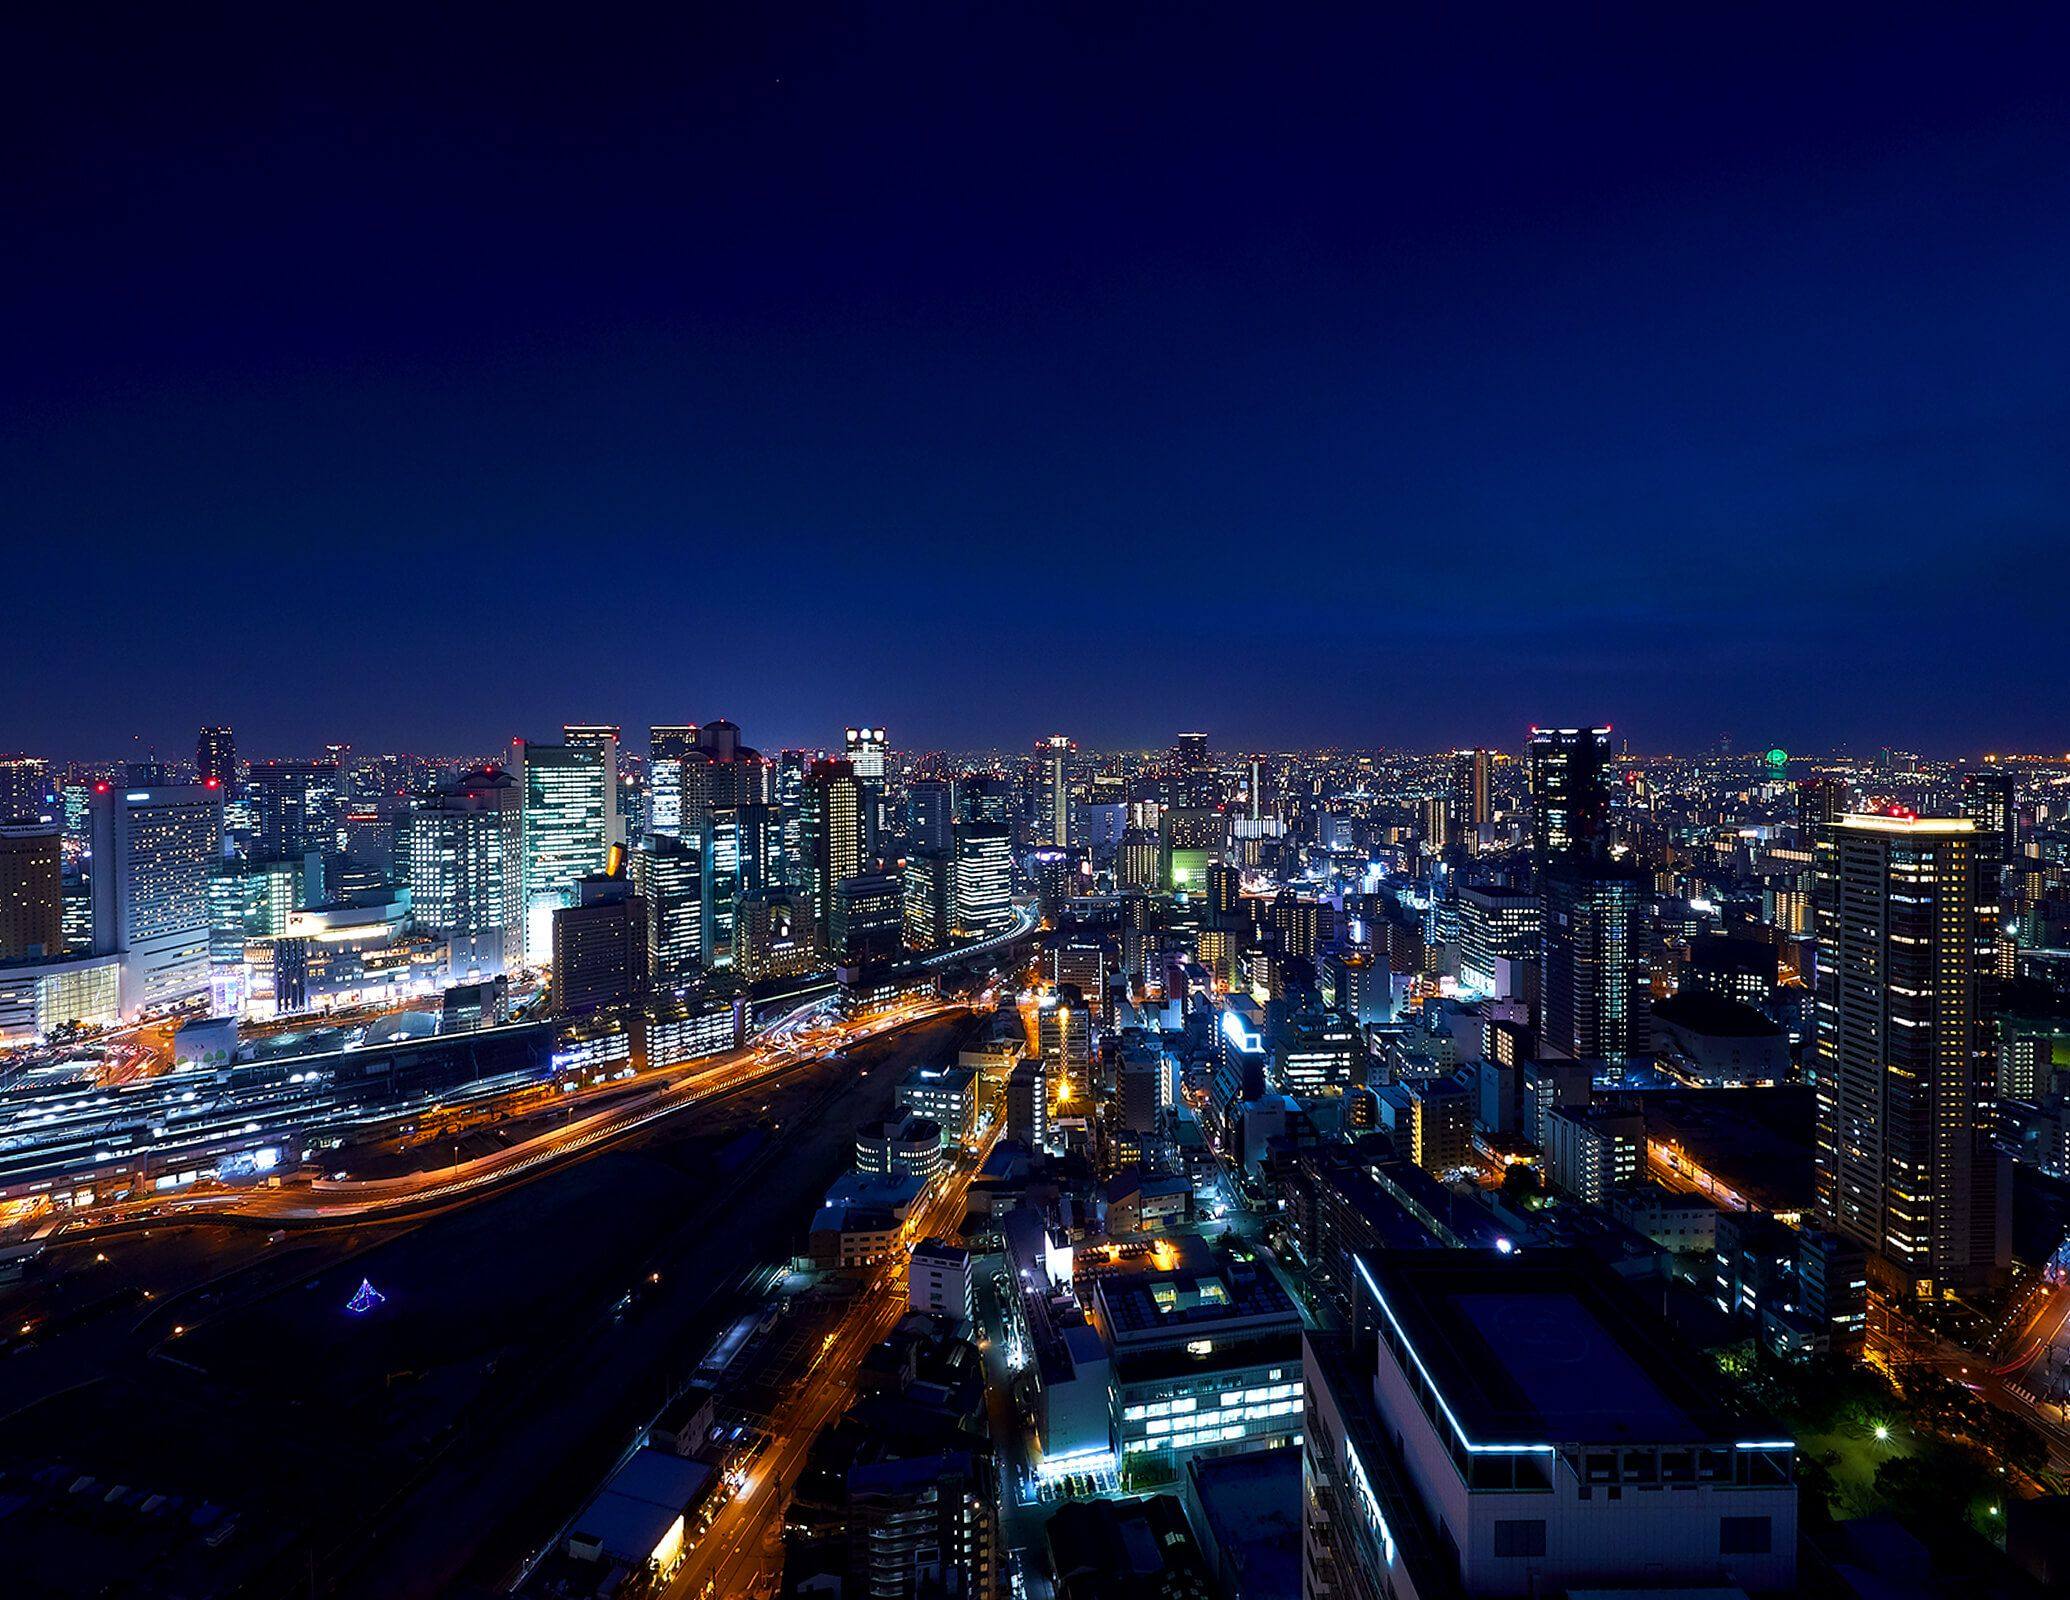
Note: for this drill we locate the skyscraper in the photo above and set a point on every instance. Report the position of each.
(1992, 803)
(868, 749)
(296, 807)
(460, 852)
(215, 756)
(153, 852)
(1820, 801)
(668, 745)
(1570, 793)
(1053, 790)
(565, 807)
(604, 738)
(1903, 1167)
(32, 903)
(1594, 993)
(668, 876)
(24, 787)
(1471, 780)
(930, 813)
(835, 833)
(984, 878)
(1190, 753)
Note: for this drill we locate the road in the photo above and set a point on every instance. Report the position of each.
(739, 1553)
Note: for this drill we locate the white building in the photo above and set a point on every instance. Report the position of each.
(939, 1279)
(153, 851)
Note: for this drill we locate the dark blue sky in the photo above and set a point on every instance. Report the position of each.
(983, 373)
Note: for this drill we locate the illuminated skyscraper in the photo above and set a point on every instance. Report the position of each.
(1053, 789)
(1903, 1164)
(668, 745)
(668, 875)
(566, 806)
(32, 905)
(835, 833)
(215, 756)
(1472, 772)
(153, 852)
(24, 787)
(984, 878)
(1570, 794)
(460, 853)
(296, 807)
(1190, 753)
(604, 738)
(1594, 995)
(1992, 803)
(868, 749)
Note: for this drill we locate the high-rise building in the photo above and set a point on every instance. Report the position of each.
(721, 883)
(984, 878)
(774, 935)
(1053, 789)
(930, 813)
(1190, 753)
(1472, 780)
(868, 751)
(836, 832)
(1594, 993)
(296, 807)
(153, 852)
(1499, 933)
(459, 851)
(1570, 794)
(930, 898)
(599, 947)
(668, 875)
(869, 917)
(215, 756)
(1141, 859)
(24, 787)
(668, 746)
(604, 738)
(1820, 801)
(1027, 1104)
(566, 804)
(1990, 800)
(1903, 1165)
(32, 899)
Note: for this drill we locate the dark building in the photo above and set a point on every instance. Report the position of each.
(215, 756)
(1991, 802)
(1570, 794)
(1126, 1550)
(599, 947)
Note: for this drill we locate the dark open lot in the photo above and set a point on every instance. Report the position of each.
(432, 1440)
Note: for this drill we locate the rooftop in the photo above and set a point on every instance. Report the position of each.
(1541, 1349)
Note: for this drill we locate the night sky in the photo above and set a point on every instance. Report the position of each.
(986, 373)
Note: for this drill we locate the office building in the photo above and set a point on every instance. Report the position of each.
(1990, 800)
(903, 1145)
(296, 807)
(869, 751)
(1190, 753)
(459, 853)
(984, 878)
(215, 756)
(1499, 934)
(1317, 1054)
(945, 1095)
(1591, 1151)
(24, 787)
(32, 896)
(1027, 1104)
(1903, 1164)
(938, 1279)
(1570, 794)
(599, 947)
(1053, 790)
(1519, 1425)
(1595, 990)
(153, 852)
(1359, 990)
(930, 899)
(869, 918)
(1141, 859)
(565, 810)
(774, 935)
(604, 738)
(668, 746)
(1063, 1031)
(1472, 784)
(930, 814)
(668, 876)
(836, 831)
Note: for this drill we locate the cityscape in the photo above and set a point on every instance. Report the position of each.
(1325, 853)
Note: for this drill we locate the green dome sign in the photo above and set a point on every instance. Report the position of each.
(1778, 759)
